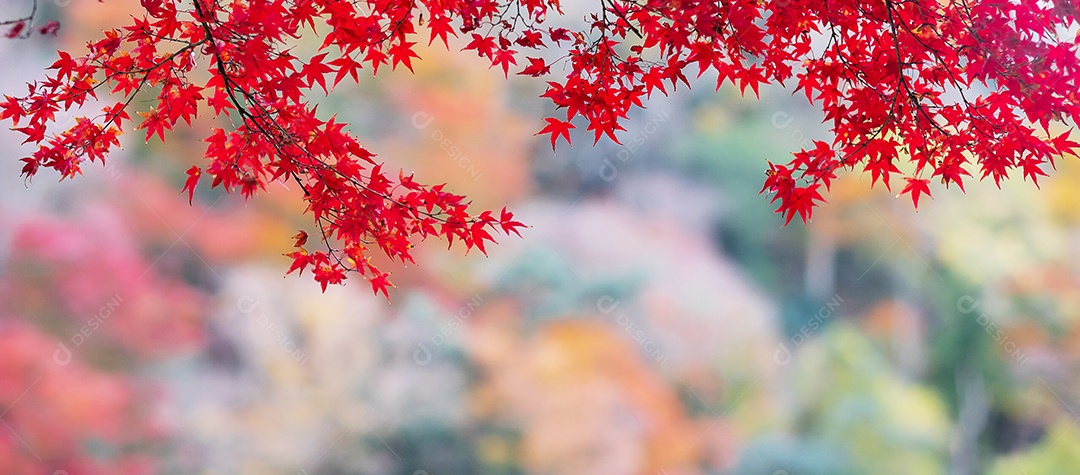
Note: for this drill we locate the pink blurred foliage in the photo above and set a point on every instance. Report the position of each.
(52, 411)
(89, 268)
(88, 301)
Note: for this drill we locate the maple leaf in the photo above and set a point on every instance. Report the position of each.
(536, 67)
(65, 65)
(314, 72)
(559, 35)
(326, 274)
(301, 260)
(1033, 170)
(484, 45)
(300, 238)
(654, 79)
(30, 167)
(346, 66)
(379, 283)
(504, 58)
(557, 128)
(440, 28)
(155, 124)
(11, 109)
(881, 167)
(952, 172)
(507, 223)
(802, 201)
(34, 133)
(376, 58)
(193, 173)
(402, 53)
(916, 187)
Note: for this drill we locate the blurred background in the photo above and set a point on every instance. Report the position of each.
(655, 319)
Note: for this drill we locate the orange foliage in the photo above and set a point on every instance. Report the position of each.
(583, 394)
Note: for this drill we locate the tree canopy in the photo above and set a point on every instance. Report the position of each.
(915, 90)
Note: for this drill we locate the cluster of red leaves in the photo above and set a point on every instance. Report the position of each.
(944, 86)
(250, 77)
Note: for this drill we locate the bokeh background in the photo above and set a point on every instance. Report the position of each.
(656, 318)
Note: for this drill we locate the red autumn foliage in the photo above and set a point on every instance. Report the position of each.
(943, 87)
(81, 310)
(52, 411)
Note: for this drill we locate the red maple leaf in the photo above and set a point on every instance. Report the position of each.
(916, 187)
(380, 283)
(155, 124)
(537, 67)
(440, 28)
(507, 223)
(403, 53)
(557, 128)
(504, 58)
(314, 72)
(193, 175)
(484, 45)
